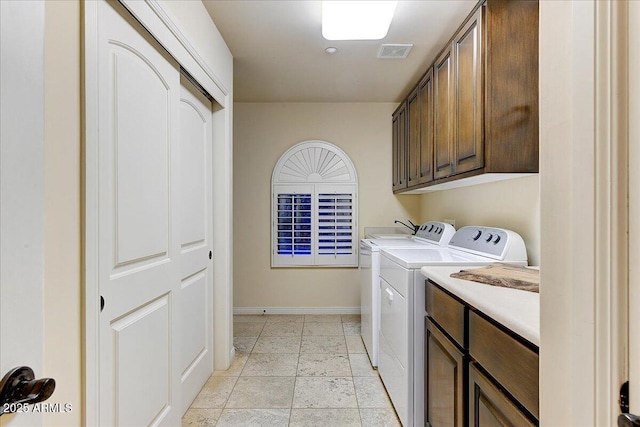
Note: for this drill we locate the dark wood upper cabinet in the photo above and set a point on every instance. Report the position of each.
(482, 116)
(399, 147)
(425, 94)
(413, 138)
(394, 150)
(511, 97)
(468, 136)
(443, 115)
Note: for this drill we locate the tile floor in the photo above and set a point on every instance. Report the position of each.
(292, 370)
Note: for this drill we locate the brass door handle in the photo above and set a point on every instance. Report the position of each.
(19, 386)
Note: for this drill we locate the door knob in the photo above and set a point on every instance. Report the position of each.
(628, 420)
(19, 386)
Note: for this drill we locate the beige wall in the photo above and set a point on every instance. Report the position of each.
(263, 132)
(63, 195)
(513, 204)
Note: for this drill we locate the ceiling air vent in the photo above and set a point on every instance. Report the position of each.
(394, 51)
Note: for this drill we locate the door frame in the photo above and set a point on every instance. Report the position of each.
(634, 203)
(585, 182)
(611, 207)
(160, 23)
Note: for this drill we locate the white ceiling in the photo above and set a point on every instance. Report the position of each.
(279, 55)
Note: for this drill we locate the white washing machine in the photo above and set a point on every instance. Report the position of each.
(430, 234)
(402, 307)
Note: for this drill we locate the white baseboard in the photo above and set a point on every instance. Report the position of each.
(296, 310)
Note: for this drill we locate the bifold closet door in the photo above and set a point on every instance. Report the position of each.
(138, 225)
(196, 242)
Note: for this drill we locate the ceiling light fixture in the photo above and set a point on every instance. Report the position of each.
(331, 50)
(356, 20)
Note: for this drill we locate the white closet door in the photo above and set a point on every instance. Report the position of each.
(22, 195)
(196, 242)
(139, 245)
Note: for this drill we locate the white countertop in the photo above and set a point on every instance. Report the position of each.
(516, 309)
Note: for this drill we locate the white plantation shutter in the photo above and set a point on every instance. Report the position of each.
(314, 207)
(336, 233)
(293, 225)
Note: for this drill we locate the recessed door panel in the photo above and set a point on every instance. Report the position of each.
(193, 140)
(468, 131)
(445, 374)
(193, 329)
(443, 115)
(140, 136)
(143, 373)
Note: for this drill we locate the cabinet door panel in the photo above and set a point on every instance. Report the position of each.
(488, 407)
(468, 132)
(510, 362)
(395, 130)
(413, 138)
(399, 147)
(443, 109)
(445, 376)
(402, 147)
(425, 93)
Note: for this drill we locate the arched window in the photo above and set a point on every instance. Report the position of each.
(314, 207)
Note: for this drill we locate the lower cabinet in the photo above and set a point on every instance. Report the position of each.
(488, 406)
(444, 375)
(487, 378)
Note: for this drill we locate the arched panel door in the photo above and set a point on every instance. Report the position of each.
(196, 242)
(138, 241)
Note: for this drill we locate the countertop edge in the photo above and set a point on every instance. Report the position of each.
(517, 310)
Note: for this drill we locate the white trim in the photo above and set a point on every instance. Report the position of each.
(611, 208)
(223, 235)
(634, 204)
(467, 182)
(91, 252)
(296, 310)
(158, 22)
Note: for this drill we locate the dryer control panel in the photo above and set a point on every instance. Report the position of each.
(436, 232)
(497, 243)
